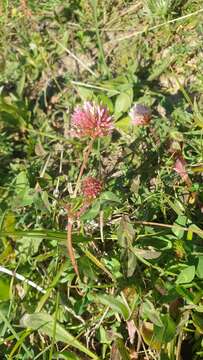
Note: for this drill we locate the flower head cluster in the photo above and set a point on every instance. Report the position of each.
(91, 187)
(91, 120)
(140, 114)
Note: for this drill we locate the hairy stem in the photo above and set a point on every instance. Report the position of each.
(83, 166)
(70, 219)
(70, 246)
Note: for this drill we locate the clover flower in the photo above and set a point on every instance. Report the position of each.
(140, 114)
(91, 187)
(91, 120)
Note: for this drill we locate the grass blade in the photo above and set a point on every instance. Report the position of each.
(45, 322)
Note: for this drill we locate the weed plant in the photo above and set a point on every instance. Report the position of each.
(101, 196)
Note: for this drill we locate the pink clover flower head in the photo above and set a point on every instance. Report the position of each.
(91, 120)
(140, 114)
(91, 187)
(180, 168)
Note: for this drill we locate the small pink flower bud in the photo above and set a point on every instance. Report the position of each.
(140, 114)
(91, 187)
(91, 120)
(180, 168)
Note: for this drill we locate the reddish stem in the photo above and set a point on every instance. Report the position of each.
(70, 219)
(83, 166)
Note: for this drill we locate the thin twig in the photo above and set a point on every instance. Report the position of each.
(90, 333)
(151, 223)
(101, 225)
(75, 57)
(179, 343)
(191, 228)
(56, 190)
(42, 172)
(93, 86)
(135, 33)
(123, 13)
(37, 287)
(22, 278)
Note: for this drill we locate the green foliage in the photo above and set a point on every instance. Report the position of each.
(45, 323)
(161, 8)
(4, 289)
(138, 245)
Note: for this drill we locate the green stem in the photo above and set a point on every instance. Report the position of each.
(54, 327)
(99, 43)
(70, 247)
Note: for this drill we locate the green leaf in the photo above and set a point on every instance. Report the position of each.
(125, 232)
(21, 84)
(109, 196)
(199, 308)
(181, 222)
(4, 289)
(21, 182)
(98, 263)
(103, 336)
(176, 206)
(45, 234)
(131, 263)
(185, 293)
(147, 254)
(15, 335)
(86, 267)
(199, 271)
(125, 236)
(166, 333)
(91, 213)
(45, 199)
(122, 349)
(186, 275)
(114, 304)
(84, 93)
(147, 331)
(123, 103)
(29, 245)
(198, 118)
(150, 313)
(45, 322)
(4, 309)
(169, 328)
(66, 355)
(120, 83)
(190, 233)
(9, 222)
(12, 114)
(124, 123)
(198, 321)
(196, 230)
(158, 333)
(24, 196)
(104, 99)
(56, 236)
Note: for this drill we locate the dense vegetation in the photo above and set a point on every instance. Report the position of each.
(129, 197)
